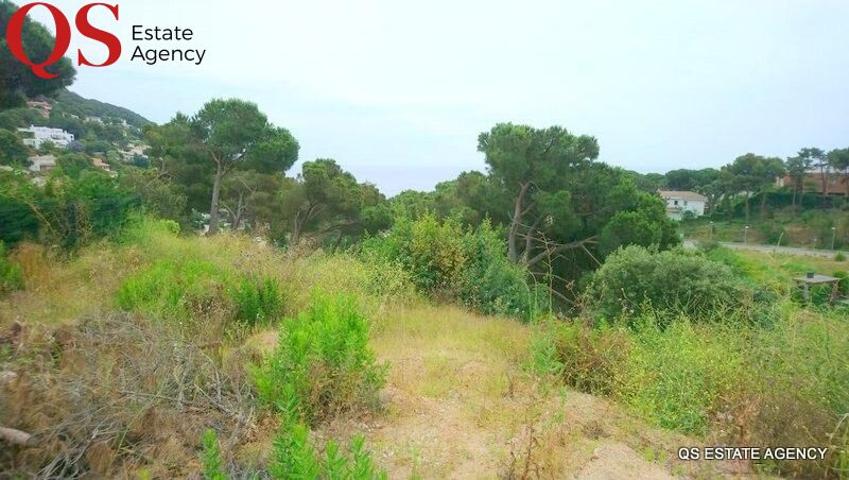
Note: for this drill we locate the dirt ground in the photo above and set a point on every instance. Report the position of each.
(459, 404)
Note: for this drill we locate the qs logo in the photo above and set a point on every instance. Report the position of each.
(14, 37)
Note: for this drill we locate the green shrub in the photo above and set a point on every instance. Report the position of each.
(11, 275)
(444, 259)
(635, 282)
(294, 457)
(588, 359)
(257, 300)
(322, 361)
(840, 257)
(431, 250)
(211, 457)
(490, 282)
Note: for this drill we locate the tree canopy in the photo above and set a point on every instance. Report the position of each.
(750, 174)
(17, 81)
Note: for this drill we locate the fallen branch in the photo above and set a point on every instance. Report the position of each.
(17, 437)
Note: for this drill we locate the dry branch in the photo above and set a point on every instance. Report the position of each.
(17, 437)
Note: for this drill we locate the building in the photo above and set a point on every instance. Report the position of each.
(680, 202)
(836, 183)
(134, 151)
(35, 137)
(42, 163)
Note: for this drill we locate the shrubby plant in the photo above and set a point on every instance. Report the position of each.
(211, 457)
(257, 300)
(447, 260)
(294, 456)
(322, 364)
(636, 281)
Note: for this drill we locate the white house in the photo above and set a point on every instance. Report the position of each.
(679, 202)
(36, 136)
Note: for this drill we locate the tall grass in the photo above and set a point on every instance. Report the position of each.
(786, 383)
(11, 275)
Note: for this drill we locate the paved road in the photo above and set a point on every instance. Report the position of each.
(772, 249)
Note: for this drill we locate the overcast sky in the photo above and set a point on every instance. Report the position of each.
(397, 91)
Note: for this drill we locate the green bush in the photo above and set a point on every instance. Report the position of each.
(293, 456)
(490, 283)
(635, 282)
(257, 300)
(11, 275)
(445, 259)
(430, 250)
(322, 361)
(585, 358)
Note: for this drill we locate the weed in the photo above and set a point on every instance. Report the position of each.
(211, 457)
(11, 275)
(257, 300)
(322, 361)
(293, 455)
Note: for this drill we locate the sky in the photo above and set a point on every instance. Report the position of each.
(398, 91)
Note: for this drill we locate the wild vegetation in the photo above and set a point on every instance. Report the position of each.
(203, 313)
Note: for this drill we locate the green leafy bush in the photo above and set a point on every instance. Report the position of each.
(445, 259)
(322, 362)
(11, 275)
(635, 282)
(490, 283)
(431, 250)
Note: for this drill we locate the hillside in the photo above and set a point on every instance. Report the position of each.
(69, 102)
(121, 376)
